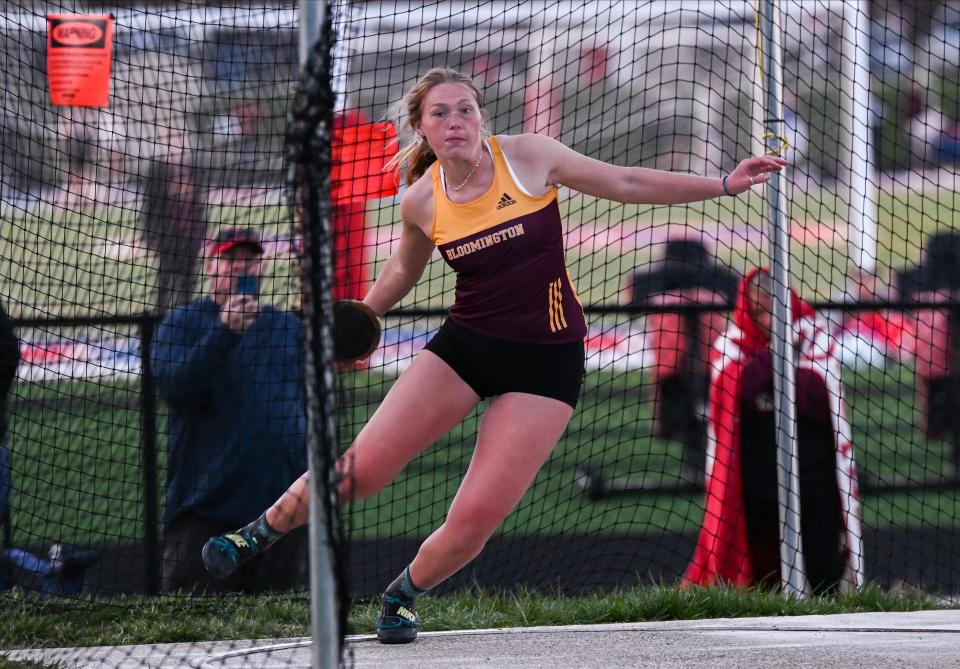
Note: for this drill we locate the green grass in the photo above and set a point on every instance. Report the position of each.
(77, 468)
(49, 623)
(75, 449)
(64, 263)
(611, 429)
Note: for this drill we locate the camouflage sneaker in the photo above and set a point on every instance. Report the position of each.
(397, 622)
(224, 554)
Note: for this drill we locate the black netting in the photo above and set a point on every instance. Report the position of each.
(110, 215)
(620, 501)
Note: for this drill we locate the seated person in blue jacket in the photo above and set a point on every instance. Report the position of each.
(230, 369)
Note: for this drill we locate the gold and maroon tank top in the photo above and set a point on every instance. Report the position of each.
(506, 248)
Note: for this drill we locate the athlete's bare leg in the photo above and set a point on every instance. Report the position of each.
(427, 401)
(516, 437)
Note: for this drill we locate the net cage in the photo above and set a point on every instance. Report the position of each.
(113, 213)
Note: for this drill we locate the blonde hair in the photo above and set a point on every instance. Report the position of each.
(416, 157)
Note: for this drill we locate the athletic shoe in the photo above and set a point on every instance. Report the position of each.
(224, 554)
(397, 622)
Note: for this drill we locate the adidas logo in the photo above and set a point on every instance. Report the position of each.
(505, 201)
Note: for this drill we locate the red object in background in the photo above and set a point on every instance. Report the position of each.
(351, 272)
(668, 340)
(47, 353)
(893, 330)
(542, 107)
(361, 151)
(668, 337)
(932, 362)
(593, 65)
(79, 55)
(723, 554)
(486, 68)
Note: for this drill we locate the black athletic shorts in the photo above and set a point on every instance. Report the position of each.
(493, 366)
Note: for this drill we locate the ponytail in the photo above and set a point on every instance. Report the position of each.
(415, 159)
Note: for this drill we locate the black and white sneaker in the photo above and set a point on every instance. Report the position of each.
(223, 555)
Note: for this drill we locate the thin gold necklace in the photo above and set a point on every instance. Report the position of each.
(464, 182)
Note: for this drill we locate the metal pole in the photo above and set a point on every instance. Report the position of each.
(343, 16)
(862, 215)
(792, 575)
(324, 617)
(311, 13)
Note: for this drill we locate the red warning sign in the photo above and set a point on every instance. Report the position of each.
(79, 53)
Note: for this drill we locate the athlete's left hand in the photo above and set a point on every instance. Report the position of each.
(752, 172)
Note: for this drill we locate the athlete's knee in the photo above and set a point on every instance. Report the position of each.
(357, 480)
(349, 487)
(353, 487)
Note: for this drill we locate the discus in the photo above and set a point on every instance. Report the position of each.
(356, 330)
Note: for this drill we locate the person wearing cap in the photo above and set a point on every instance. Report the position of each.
(229, 368)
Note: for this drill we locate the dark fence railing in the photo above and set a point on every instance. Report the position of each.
(149, 474)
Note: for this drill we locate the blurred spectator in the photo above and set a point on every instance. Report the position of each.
(739, 541)
(230, 369)
(937, 279)
(173, 227)
(79, 133)
(934, 136)
(241, 121)
(686, 274)
(891, 51)
(248, 114)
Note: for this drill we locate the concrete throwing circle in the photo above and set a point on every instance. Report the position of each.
(927, 639)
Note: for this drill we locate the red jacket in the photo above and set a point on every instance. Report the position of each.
(721, 553)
